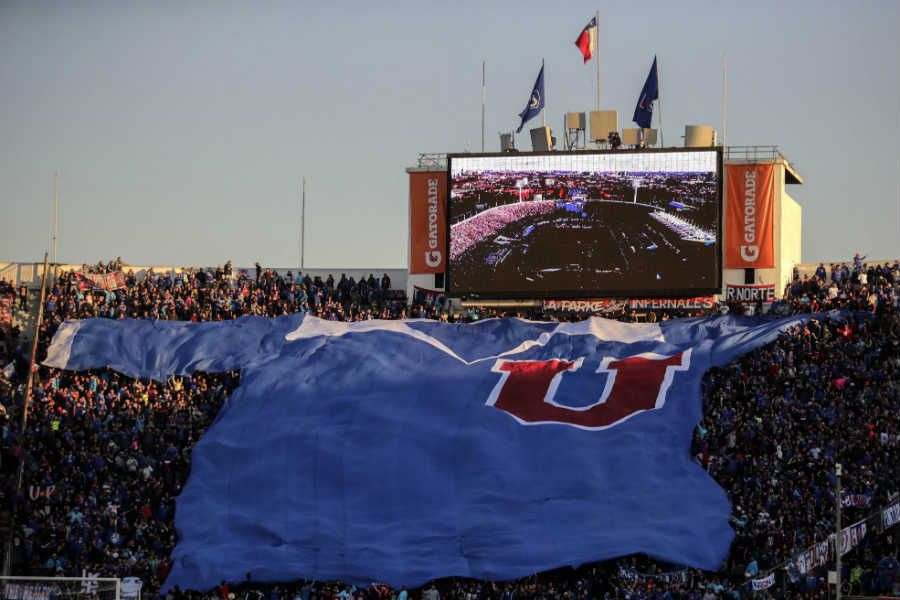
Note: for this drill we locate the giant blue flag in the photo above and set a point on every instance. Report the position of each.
(403, 451)
(535, 101)
(643, 110)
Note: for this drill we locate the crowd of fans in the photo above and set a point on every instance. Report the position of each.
(477, 190)
(217, 294)
(683, 226)
(105, 456)
(857, 285)
(488, 223)
(9, 335)
(777, 420)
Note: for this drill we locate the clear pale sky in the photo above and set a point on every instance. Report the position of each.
(180, 131)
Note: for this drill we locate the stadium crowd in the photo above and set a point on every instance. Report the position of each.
(105, 456)
(485, 224)
(218, 294)
(8, 334)
(477, 190)
(685, 229)
(855, 285)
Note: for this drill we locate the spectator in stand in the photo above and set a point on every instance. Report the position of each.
(870, 288)
(487, 223)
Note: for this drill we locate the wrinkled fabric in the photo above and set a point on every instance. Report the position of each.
(400, 451)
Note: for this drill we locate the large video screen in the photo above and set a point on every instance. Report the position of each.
(602, 224)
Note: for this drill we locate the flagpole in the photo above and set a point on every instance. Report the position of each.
(26, 403)
(724, 97)
(302, 221)
(483, 100)
(55, 216)
(544, 91)
(662, 142)
(597, 53)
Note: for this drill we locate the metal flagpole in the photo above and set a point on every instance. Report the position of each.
(597, 55)
(837, 539)
(483, 100)
(566, 135)
(55, 215)
(662, 142)
(724, 97)
(302, 221)
(544, 91)
(26, 402)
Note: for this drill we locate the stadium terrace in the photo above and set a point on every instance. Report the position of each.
(105, 455)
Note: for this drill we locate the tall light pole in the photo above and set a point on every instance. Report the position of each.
(55, 217)
(483, 99)
(302, 222)
(26, 402)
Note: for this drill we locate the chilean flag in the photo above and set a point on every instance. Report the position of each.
(587, 39)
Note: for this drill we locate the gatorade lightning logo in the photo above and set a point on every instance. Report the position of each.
(433, 255)
(750, 251)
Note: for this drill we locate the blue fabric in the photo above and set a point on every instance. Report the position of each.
(371, 452)
(643, 110)
(160, 349)
(535, 101)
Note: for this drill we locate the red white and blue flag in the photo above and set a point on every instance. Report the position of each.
(587, 39)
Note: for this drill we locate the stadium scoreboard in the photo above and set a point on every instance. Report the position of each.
(642, 223)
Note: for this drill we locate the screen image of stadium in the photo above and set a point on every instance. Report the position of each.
(620, 223)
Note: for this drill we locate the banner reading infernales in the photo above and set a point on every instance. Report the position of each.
(749, 217)
(607, 305)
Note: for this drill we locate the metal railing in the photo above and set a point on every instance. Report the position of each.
(18, 273)
(437, 160)
(736, 153)
(756, 153)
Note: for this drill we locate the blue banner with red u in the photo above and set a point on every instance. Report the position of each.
(404, 451)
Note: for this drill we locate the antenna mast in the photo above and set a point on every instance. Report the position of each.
(55, 217)
(302, 221)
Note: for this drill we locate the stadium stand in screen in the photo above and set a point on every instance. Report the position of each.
(584, 224)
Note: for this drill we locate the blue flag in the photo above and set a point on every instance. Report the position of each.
(403, 451)
(643, 111)
(535, 101)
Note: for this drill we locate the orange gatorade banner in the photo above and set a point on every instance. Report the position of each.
(749, 217)
(427, 222)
